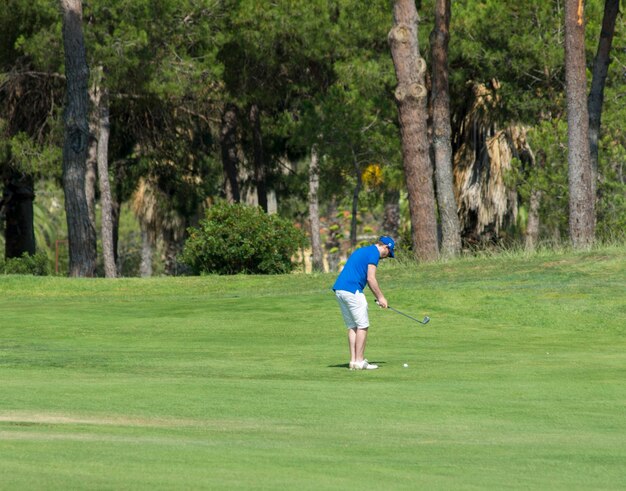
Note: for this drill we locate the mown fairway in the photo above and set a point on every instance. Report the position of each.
(518, 382)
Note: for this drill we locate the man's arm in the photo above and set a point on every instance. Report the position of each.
(373, 284)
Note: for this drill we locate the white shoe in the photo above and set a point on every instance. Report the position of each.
(364, 365)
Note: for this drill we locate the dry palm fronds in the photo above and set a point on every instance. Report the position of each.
(485, 154)
(155, 212)
(484, 200)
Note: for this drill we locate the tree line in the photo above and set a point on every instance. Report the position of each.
(483, 121)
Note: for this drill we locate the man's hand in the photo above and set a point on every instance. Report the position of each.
(382, 302)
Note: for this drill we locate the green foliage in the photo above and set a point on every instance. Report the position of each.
(234, 239)
(611, 204)
(50, 224)
(26, 30)
(519, 44)
(162, 47)
(549, 176)
(35, 159)
(36, 265)
(320, 72)
(611, 192)
(350, 112)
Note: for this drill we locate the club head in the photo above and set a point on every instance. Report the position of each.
(426, 320)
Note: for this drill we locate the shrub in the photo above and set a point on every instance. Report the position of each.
(36, 265)
(237, 238)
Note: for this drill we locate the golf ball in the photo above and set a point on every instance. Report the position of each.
(406, 365)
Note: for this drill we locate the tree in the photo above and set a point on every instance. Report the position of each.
(28, 97)
(260, 170)
(531, 236)
(520, 45)
(104, 130)
(411, 95)
(581, 200)
(314, 213)
(164, 106)
(598, 80)
(81, 234)
(230, 154)
(339, 103)
(506, 74)
(16, 207)
(442, 132)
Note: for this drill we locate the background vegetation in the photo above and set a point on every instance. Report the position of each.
(317, 72)
(234, 239)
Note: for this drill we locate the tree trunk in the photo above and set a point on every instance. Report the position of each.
(145, 268)
(81, 233)
(117, 207)
(531, 237)
(333, 242)
(230, 159)
(581, 199)
(108, 254)
(532, 227)
(598, 81)
(411, 95)
(355, 203)
(442, 144)
(115, 216)
(314, 212)
(171, 250)
(17, 208)
(91, 165)
(391, 216)
(91, 173)
(259, 158)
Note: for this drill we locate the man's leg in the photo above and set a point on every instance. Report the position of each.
(361, 364)
(352, 335)
(361, 339)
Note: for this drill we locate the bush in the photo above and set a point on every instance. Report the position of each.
(241, 239)
(36, 265)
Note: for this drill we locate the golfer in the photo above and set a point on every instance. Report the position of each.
(359, 270)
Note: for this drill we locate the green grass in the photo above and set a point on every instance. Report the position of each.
(518, 382)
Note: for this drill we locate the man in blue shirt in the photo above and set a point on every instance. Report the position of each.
(359, 271)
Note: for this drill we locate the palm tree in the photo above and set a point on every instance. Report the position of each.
(483, 157)
(157, 218)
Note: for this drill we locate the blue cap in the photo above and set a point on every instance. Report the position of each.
(388, 241)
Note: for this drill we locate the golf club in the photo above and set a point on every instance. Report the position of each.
(425, 321)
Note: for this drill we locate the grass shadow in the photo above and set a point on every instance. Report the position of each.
(347, 365)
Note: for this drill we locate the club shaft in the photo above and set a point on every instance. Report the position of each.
(405, 315)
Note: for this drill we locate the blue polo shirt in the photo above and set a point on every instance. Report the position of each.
(353, 276)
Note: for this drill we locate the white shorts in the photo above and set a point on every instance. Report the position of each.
(353, 308)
